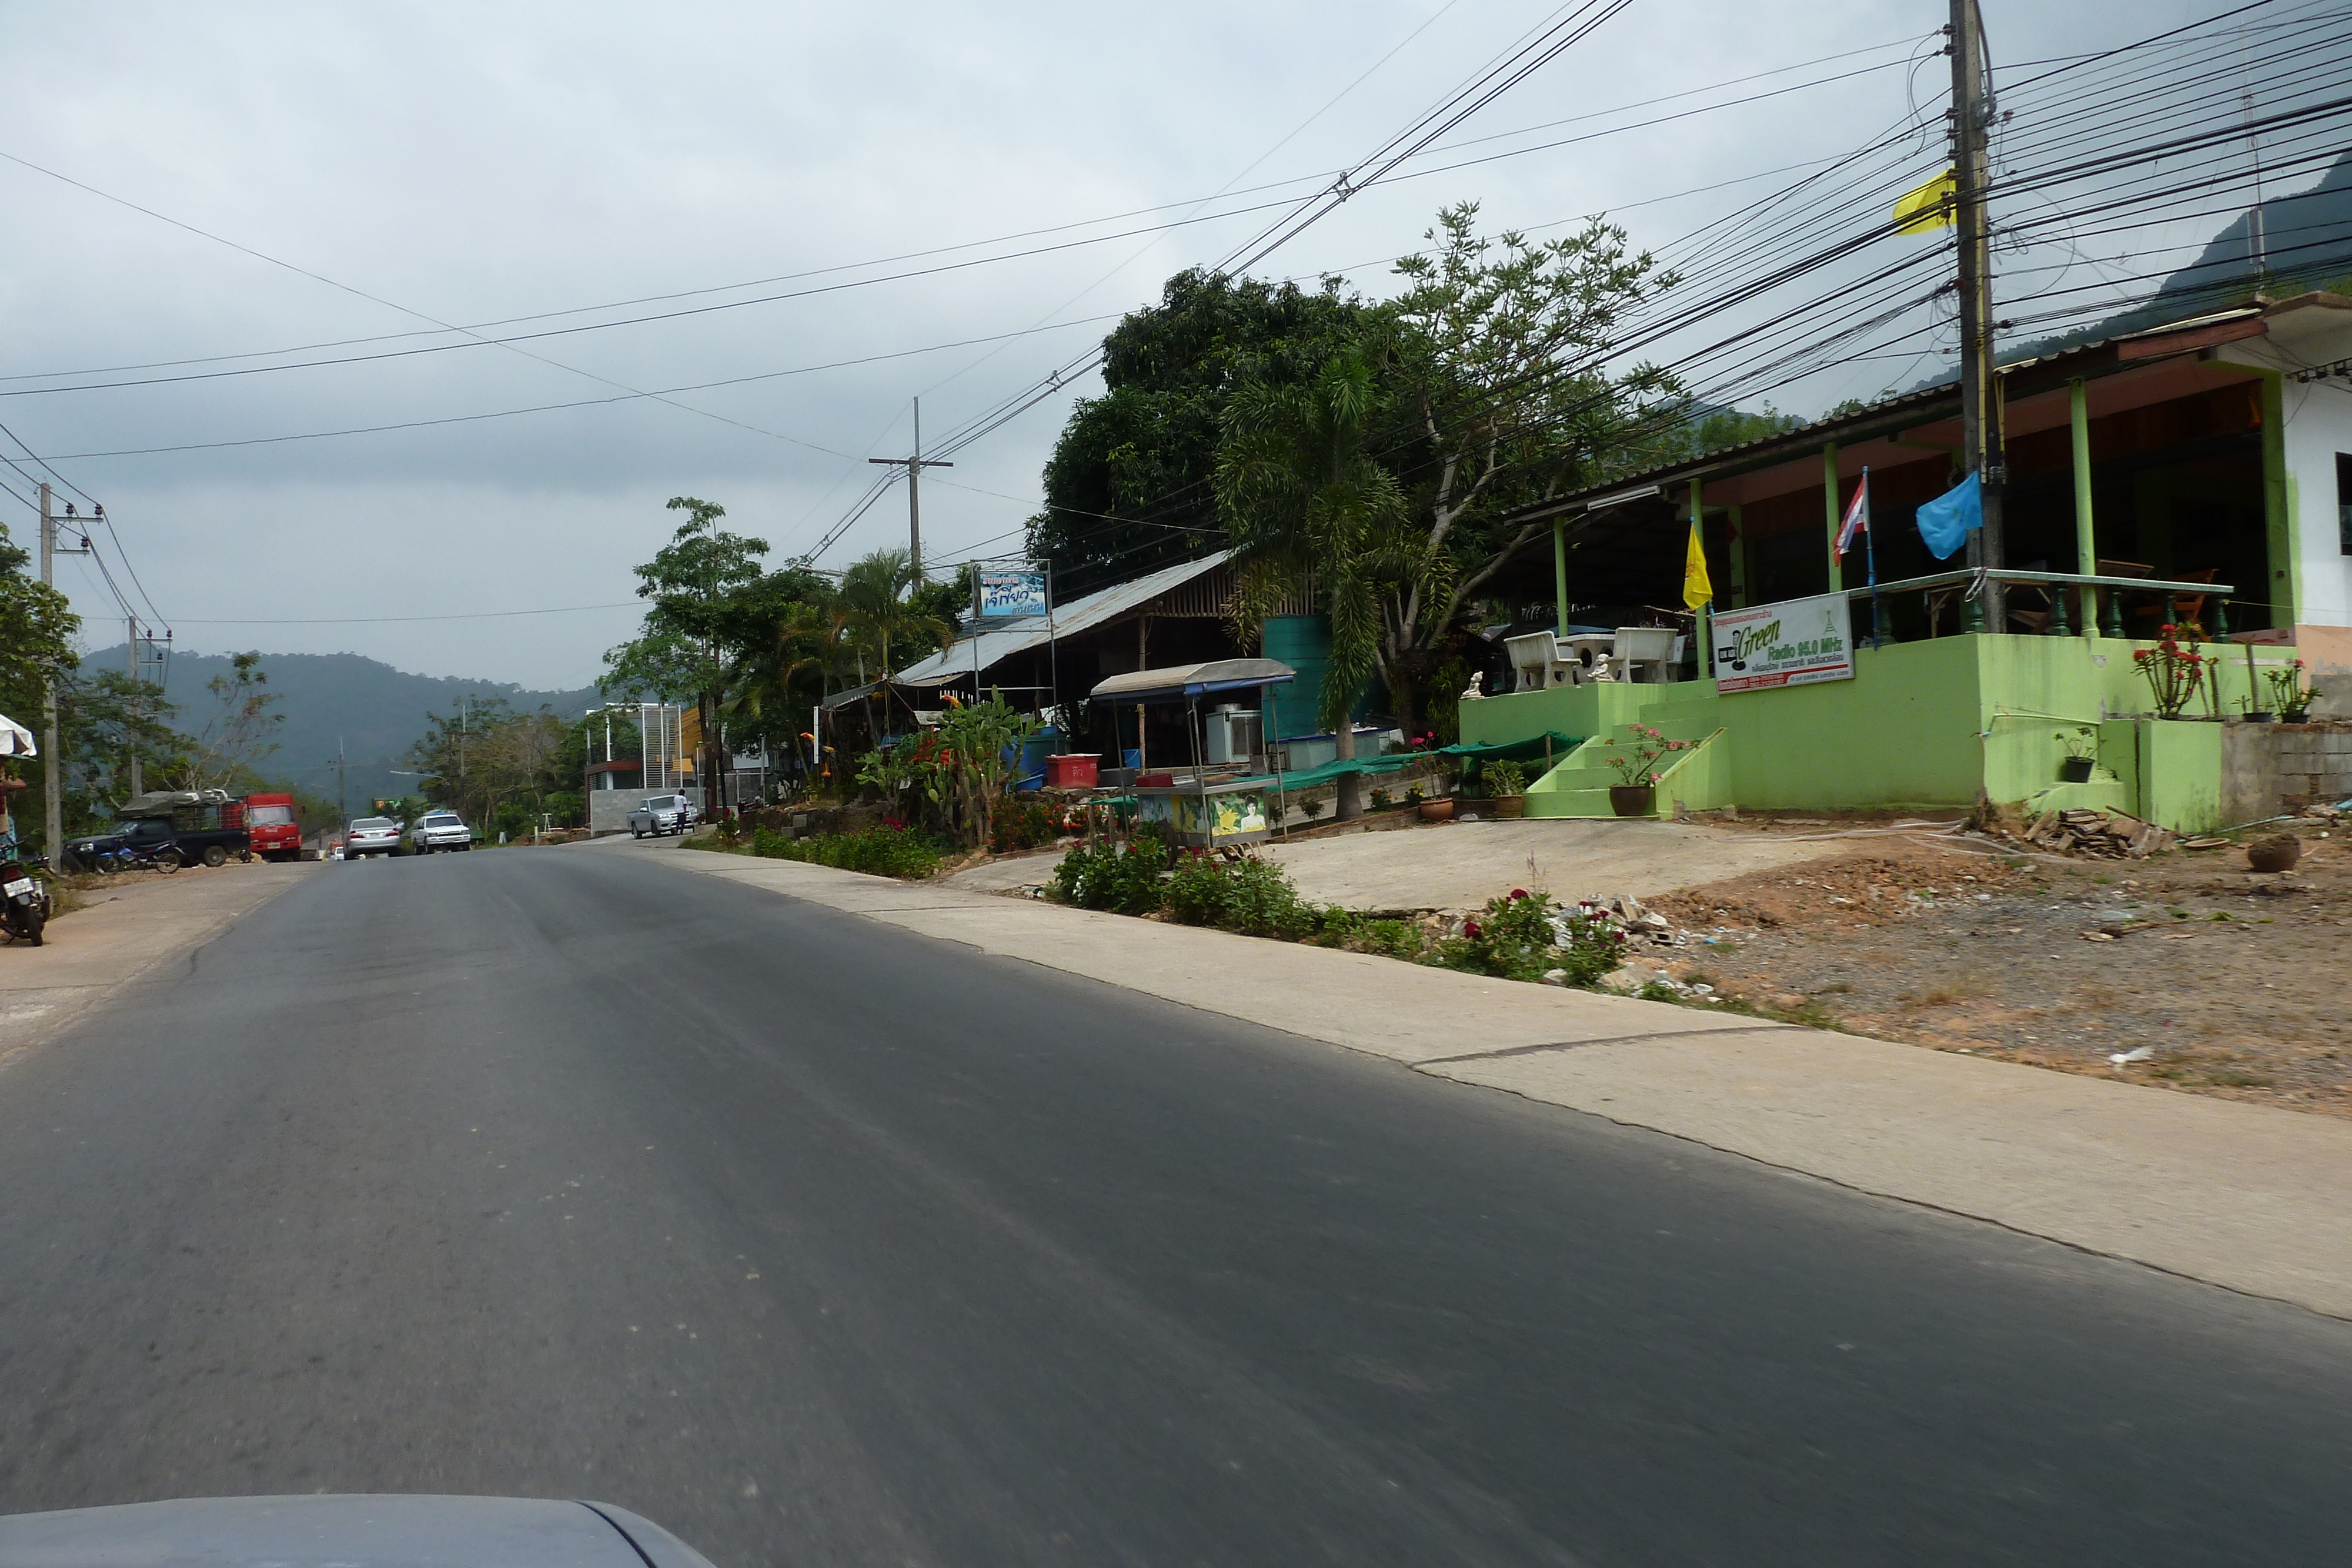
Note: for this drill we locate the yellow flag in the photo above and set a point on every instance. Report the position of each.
(1696, 589)
(1930, 207)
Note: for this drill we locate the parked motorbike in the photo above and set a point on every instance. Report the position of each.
(164, 857)
(25, 901)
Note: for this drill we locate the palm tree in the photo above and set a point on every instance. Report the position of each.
(774, 670)
(1310, 512)
(875, 598)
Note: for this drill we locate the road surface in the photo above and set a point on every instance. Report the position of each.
(563, 1173)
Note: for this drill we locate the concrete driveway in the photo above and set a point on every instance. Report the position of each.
(1459, 865)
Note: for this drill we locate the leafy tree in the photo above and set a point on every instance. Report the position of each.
(1308, 507)
(1493, 354)
(37, 631)
(238, 732)
(697, 583)
(497, 768)
(105, 720)
(1131, 483)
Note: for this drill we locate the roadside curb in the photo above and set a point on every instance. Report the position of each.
(2249, 1197)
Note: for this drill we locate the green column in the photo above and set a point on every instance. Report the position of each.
(2283, 537)
(1830, 508)
(1736, 559)
(2086, 549)
(1559, 572)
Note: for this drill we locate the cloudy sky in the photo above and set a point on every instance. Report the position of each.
(836, 192)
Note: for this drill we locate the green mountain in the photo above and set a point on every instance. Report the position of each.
(370, 711)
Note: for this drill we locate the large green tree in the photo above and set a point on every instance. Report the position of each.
(1131, 483)
(697, 584)
(1497, 357)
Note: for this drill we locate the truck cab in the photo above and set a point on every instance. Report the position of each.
(273, 827)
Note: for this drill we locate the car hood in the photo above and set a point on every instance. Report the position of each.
(344, 1531)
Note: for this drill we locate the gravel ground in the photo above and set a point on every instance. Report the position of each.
(2236, 982)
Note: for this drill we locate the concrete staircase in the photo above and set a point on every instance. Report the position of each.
(1700, 777)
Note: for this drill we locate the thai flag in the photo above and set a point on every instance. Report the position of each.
(1857, 517)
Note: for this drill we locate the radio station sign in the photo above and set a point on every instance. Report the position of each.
(1792, 644)
(1005, 593)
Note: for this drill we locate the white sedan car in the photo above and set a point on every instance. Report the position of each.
(660, 814)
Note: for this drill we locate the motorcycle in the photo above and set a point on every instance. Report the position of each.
(166, 858)
(25, 901)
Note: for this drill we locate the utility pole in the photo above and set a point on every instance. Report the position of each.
(1980, 446)
(131, 647)
(53, 811)
(342, 811)
(914, 467)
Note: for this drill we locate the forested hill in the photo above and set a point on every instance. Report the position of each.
(374, 711)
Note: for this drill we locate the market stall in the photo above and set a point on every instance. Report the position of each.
(1205, 805)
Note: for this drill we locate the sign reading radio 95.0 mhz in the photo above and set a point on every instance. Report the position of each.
(1792, 644)
(1012, 593)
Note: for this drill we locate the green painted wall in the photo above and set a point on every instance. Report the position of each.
(1921, 724)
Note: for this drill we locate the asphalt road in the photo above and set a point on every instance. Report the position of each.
(565, 1173)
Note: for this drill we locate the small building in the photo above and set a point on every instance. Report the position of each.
(2199, 471)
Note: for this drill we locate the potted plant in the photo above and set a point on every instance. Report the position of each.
(2289, 694)
(1636, 763)
(2082, 753)
(1507, 783)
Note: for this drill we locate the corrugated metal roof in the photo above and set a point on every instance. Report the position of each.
(1000, 642)
(1176, 681)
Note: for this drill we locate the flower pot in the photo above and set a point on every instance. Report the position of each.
(2261, 715)
(1634, 799)
(2074, 771)
(1438, 811)
(1509, 805)
(2276, 853)
(2291, 717)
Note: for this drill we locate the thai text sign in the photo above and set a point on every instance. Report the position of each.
(1012, 593)
(1792, 644)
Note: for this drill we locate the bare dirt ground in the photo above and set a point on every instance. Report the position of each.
(2236, 981)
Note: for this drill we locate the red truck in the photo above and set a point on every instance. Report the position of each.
(272, 828)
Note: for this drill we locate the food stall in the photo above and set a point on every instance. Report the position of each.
(1202, 806)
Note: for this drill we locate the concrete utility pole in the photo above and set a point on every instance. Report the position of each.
(131, 647)
(1980, 446)
(53, 810)
(914, 467)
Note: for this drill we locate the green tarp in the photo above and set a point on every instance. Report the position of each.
(1519, 750)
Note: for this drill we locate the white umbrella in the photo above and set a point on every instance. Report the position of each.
(15, 740)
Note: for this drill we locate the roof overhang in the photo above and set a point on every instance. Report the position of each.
(1178, 683)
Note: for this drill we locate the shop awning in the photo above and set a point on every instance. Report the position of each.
(1177, 682)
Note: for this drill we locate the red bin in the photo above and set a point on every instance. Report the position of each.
(1072, 770)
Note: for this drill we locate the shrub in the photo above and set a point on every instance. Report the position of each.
(1121, 878)
(1198, 891)
(1023, 825)
(1249, 895)
(1522, 935)
(1503, 778)
(885, 852)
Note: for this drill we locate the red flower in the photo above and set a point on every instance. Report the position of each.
(1470, 929)
(1519, 893)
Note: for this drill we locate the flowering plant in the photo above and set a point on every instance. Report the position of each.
(2289, 696)
(2175, 673)
(1636, 756)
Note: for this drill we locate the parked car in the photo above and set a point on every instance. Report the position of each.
(660, 814)
(371, 836)
(439, 830)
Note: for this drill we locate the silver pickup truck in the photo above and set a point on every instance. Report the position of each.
(660, 814)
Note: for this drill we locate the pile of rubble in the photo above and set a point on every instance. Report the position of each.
(2102, 835)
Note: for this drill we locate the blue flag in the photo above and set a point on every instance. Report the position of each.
(1945, 522)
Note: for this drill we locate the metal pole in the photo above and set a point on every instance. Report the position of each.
(1870, 560)
(1980, 445)
(53, 818)
(2086, 546)
(1829, 506)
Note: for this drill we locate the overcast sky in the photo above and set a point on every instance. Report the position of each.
(471, 165)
